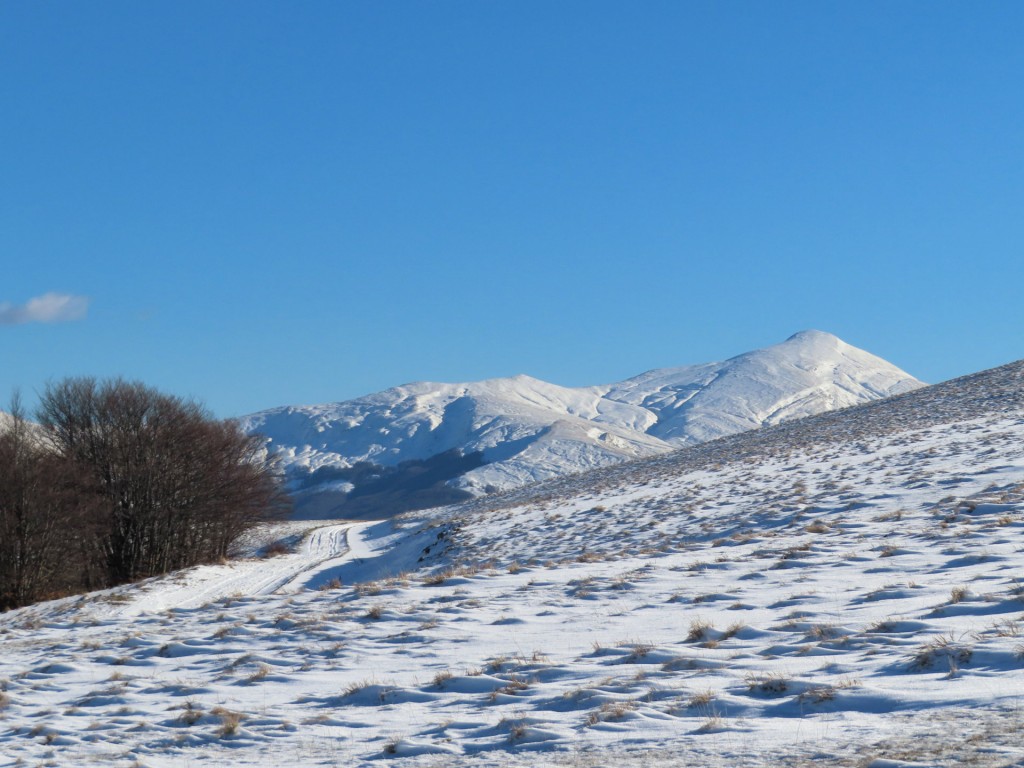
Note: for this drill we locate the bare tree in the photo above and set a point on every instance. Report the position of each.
(40, 504)
(177, 484)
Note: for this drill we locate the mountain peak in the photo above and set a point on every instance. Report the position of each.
(813, 335)
(501, 433)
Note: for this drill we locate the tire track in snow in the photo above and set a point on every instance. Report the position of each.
(322, 547)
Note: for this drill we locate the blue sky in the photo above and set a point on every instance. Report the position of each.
(271, 203)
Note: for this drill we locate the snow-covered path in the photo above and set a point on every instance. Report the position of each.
(321, 548)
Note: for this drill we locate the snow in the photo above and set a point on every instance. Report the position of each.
(843, 590)
(530, 430)
(318, 548)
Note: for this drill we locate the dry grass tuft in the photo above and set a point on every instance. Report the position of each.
(359, 685)
(611, 710)
(941, 647)
(192, 713)
(639, 651)
(702, 698)
(732, 630)
(698, 630)
(514, 685)
(261, 672)
(517, 731)
(712, 724)
(772, 683)
(230, 721)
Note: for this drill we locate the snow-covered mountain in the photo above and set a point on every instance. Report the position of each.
(842, 590)
(439, 442)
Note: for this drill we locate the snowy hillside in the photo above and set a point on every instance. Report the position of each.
(809, 373)
(844, 590)
(504, 433)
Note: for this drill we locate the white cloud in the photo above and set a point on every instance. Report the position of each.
(48, 308)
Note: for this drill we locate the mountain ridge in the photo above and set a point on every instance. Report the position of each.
(525, 429)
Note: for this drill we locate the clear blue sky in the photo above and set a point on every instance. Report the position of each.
(273, 203)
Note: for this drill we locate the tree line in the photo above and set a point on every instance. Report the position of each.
(114, 481)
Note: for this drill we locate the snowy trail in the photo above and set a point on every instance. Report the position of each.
(323, 547)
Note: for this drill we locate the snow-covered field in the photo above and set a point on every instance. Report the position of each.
(843, 590)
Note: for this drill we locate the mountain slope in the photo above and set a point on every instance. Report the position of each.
(842, 590)
(811, 372)
(520, 429)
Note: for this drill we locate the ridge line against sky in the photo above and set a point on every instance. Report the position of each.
(303, 204)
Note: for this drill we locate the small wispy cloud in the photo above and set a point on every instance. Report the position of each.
(48, 308)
